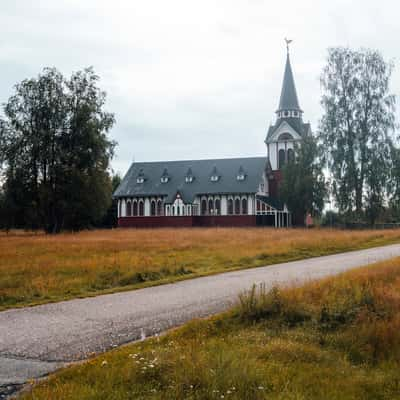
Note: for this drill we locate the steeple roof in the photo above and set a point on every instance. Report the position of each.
(288, 100)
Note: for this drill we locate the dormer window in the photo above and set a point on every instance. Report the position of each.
(241, 176)
(189, 176)
(165, 176)
(214, 175)
(140, 177)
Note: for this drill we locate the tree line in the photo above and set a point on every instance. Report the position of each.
(353, 158)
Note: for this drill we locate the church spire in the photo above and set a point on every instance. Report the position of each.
(288, 100)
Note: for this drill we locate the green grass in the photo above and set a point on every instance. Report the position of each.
(37, 268)
(333, 339)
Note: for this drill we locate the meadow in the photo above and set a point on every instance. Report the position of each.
(39, 268)
(338, 338)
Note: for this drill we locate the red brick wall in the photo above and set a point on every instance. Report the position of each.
(225, 220)
(155, 222)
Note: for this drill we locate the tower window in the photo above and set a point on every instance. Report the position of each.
(140, 179)
(189, 179)
(164, 179)
(214, 178)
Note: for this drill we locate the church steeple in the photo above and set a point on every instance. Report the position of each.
(288, 103)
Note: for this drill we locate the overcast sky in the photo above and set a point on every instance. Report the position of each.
(191, 79)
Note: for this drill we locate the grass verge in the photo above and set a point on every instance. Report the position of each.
(37, 269)
(338, 338)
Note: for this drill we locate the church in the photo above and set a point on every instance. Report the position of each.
(219, 192)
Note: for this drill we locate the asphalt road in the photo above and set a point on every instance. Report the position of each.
(37, 340)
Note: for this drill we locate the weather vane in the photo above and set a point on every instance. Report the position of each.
(288, 41)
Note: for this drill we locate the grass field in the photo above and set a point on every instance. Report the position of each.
(333, 339)
(38, 268)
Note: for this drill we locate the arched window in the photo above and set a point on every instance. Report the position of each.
(217, 207)
(178, 209)
(135, 210)
(244, 206)
(153, 208)
(210, 206)
(141, 208)
(281, 158)
(285, 137)
(230, 206)
(290, 156)
(128, 209)
(159, 208)
(237, 206)
(203, 207)
(173, 210)
(120, 208)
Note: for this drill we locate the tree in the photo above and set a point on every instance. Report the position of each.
(303, 186)
(357, 128)
(56, 152)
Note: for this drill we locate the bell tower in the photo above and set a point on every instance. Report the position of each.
(289, 127)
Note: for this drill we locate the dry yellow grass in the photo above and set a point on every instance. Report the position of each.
(37, 268)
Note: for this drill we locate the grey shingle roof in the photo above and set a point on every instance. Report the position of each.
(226, 169)
(288, 99)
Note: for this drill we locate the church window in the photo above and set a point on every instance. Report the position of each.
(135, 209)
(211, 206)
(214, 178)
(286, 113)
(237, 206)
(244, 206)
(141, 208)
(140, 179)
(282, 156)
(240, 177)
(217, 207)
(189, 179)
(230, 206)
(203, 207)
(128, 209)
(159, 208)
(285, 136)
(153, 208)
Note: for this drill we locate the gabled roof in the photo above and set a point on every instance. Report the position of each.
(201, 170)
(288, 99)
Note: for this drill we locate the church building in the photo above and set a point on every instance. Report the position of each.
(219, 192)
